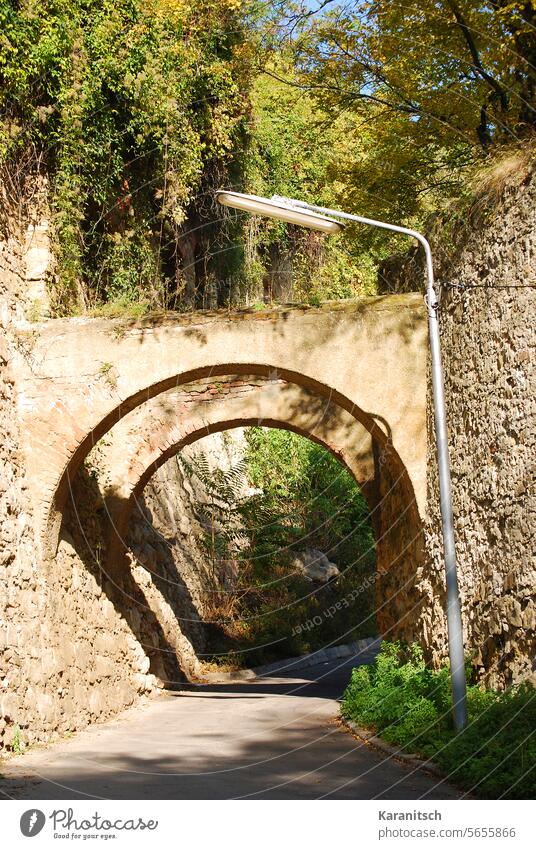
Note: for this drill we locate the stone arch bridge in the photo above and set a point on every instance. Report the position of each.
(350, 375)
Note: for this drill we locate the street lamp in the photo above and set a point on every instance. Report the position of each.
(280, 208)
(321, 218)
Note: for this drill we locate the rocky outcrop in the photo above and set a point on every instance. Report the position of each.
(169, 562)
(315, 566)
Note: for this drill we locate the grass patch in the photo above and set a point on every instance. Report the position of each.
(409, 705)
(120, 308)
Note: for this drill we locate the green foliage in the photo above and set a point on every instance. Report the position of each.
(121, 307)
(107, 372)
(292, 150)
(303, 498)
(17, 744)
(35, 312)
(131, 106)
(218, 513)
(306, 496)
(410, 705)
(136, 110)
(426, 92)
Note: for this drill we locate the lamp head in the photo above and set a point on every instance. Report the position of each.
(281, 209)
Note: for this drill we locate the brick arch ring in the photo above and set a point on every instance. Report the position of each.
(77, 378)
(148, 436)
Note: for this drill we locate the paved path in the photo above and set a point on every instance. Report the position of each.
(271, 739)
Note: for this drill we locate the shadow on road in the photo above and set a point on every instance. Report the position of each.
(266, 739)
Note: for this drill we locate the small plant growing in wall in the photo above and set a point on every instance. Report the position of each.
(17, 743)
(108, 373)
(91, 469)
(35, 312)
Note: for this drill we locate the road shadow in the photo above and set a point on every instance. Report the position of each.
(256, 740)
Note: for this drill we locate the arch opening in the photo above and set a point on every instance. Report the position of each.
(374, 424)
(287, 538)
(375, 468)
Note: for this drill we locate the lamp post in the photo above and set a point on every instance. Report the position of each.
(329, 221)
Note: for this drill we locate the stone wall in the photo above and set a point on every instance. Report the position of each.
(17, 573)
(80, 376)
(68, 656)
(488, 333)
(75, 646)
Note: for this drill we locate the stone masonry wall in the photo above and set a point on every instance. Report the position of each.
(67, 656)
(488, 334)
(74, 647)
(72, 651)
(16, 563)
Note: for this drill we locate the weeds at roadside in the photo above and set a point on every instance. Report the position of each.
(409, 705)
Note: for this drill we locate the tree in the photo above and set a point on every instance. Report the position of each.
(458, 67)
(294, 149)
(428, 89)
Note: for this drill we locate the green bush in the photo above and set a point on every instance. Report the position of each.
(410, 705)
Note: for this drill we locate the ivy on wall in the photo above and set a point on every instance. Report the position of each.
(135, 106)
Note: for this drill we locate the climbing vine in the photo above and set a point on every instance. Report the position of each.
(136, 106)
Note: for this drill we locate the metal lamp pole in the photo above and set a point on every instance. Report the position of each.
(454, 617)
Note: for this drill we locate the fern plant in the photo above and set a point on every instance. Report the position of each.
(223, 534)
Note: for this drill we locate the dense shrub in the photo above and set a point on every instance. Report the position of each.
(410, 705)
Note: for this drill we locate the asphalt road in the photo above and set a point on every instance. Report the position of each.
(272, 739)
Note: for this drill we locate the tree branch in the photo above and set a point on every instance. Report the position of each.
(475, 55)
(350, 96)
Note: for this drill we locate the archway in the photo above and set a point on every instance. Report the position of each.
(148, 436)
(368, 357)
(287, 548)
